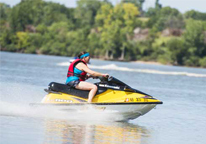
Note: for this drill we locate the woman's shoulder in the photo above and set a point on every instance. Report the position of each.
(81, 65)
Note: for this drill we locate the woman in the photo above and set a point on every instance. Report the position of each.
(77, 74)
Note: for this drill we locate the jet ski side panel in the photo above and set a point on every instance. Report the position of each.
(109, 96)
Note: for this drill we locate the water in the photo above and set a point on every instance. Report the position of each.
(180, 120)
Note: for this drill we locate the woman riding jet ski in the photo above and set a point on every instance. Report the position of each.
(108, 95)
(77, 74)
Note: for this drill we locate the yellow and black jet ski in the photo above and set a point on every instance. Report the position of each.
(112, 95)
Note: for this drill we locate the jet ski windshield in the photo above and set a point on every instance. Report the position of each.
(116, 81)
(112, 80)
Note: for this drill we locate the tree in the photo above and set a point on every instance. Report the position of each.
(94, 44)
(37, 12)
(22, 41)
(137, 3)
(203, 62)
(157, 5)
(76, 41)
(165, 18)
(4, 11)
(7, 40)
(130, 19)
(176, 46)
(27, 12)
(152, 13)
(117, 24)
(195, 15)
(86, 12)
(54, 12)
(102, 14)
(5, 33)
(194, 41)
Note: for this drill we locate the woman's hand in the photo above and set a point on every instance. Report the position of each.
(105, 75)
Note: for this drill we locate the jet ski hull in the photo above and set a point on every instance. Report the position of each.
(120, 111)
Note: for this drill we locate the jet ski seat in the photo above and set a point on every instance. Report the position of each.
(58, 87)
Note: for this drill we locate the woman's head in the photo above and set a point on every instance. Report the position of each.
(84, 56)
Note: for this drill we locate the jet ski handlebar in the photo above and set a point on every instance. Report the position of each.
(102, 79)
(108, 78)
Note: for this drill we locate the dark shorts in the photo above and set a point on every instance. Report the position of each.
(73, 83)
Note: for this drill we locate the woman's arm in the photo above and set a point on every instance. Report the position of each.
(83, 67)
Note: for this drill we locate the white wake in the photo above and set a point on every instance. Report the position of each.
(117, 68)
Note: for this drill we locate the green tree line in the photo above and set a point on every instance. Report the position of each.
(115, 32)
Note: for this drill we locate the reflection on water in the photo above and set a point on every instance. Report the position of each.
(89, 132)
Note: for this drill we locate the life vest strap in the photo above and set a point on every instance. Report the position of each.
(74, 74)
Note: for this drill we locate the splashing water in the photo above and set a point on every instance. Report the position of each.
(12, 109)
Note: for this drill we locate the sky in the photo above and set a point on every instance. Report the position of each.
(181, 5)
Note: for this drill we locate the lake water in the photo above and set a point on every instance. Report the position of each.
(180, 120)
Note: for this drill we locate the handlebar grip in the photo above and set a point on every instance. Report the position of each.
(103, 78)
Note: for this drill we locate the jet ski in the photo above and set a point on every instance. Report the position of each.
(112, 95)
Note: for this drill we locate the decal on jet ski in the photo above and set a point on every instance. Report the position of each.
(149, 97)
(136, 100)
(80, 100)
(108, 86)
(145, 100)
(63, 100)
(127, 100)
